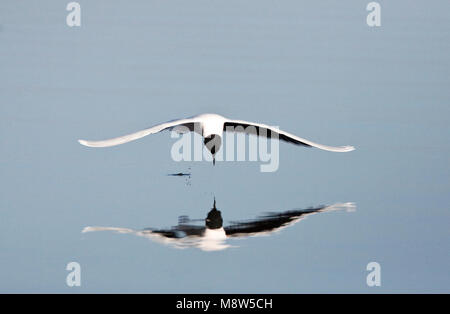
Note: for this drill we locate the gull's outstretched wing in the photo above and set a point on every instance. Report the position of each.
(266, 130)
(272, 222)
(189, 123)
(181, 237)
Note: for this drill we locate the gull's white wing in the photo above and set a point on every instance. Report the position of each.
(285, 136)
(169, 237)
(274, 222)
(189, 123)
(119, 230)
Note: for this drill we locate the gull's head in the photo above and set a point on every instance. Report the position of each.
(213, 143)
(214, 219)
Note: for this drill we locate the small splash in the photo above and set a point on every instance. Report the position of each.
(187, 175)
(179, 174)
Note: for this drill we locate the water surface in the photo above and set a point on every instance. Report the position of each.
(316, 70)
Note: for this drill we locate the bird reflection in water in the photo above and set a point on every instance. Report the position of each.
(212, 235)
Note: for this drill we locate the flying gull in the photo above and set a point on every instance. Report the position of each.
(211, 127)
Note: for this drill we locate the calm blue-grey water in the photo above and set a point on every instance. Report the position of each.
(314, 69)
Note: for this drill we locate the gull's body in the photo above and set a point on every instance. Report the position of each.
(211, 127)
